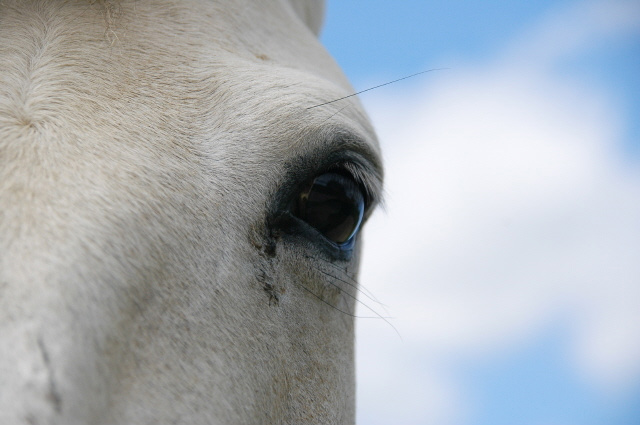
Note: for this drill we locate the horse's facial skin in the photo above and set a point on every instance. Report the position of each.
(150, 268)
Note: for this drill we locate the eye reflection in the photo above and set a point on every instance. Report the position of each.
(334, 205)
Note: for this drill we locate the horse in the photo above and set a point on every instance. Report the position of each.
(181, 204)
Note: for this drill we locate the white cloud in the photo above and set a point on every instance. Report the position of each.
(509, 205)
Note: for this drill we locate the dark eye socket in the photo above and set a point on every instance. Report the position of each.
(334, 205)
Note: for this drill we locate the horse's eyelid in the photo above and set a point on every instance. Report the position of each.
(363, 163)
(368, 179)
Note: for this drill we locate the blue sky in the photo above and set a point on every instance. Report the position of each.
(508, 252)
(378, 41)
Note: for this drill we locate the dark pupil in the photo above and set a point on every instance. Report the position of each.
(334, 205)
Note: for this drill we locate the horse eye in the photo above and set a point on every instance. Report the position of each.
(334, 205)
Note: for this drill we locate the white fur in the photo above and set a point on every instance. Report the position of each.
(142, 144)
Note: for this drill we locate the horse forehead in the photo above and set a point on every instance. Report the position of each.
(191, 53)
